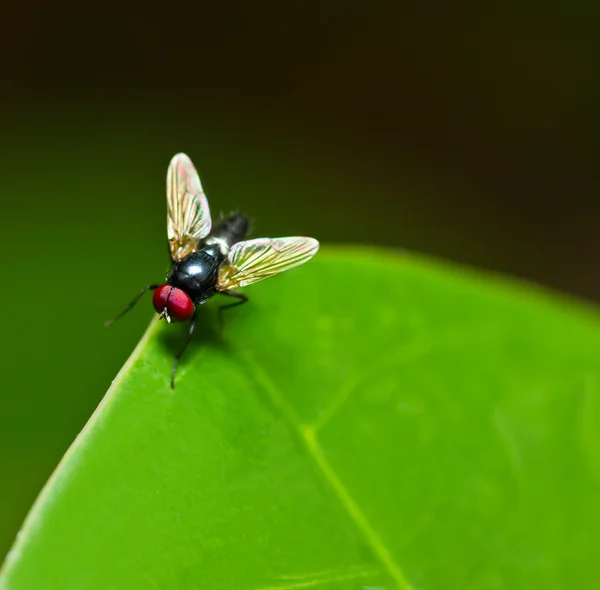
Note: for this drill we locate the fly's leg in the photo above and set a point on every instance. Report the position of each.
(180, 353)
(131, 304)
(242, 298)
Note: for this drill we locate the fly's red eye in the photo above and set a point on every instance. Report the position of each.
(179, 305)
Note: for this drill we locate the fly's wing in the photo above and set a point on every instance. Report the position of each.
(255, 260)
(188, 215)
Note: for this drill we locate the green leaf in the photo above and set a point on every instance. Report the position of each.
(369, 420)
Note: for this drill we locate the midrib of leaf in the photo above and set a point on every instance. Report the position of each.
(308, 438)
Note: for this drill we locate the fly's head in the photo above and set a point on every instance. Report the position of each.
(173, 304)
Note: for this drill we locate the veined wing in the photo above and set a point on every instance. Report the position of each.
(188, 215)
(254, 260)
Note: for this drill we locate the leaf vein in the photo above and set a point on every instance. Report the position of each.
(322, 580)
(401, 356)
(307, 436)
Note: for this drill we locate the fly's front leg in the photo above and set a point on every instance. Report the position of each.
(180, 353)
(131, 304)
(242, 298)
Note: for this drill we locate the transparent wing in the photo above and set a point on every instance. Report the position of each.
(255, 260)
(188, 215)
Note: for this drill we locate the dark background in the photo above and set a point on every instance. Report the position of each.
(467, 131)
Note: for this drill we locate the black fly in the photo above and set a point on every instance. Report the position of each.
(209, 260)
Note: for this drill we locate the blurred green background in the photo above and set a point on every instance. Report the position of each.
(470, 131)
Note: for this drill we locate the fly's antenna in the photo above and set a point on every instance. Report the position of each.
(132, 304)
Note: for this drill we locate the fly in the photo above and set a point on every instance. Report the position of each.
(207, 260)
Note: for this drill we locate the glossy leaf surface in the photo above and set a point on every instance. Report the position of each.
(369, 420)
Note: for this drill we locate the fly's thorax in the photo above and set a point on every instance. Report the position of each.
(197, 275)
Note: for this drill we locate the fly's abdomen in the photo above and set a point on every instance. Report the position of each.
(231, 230)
